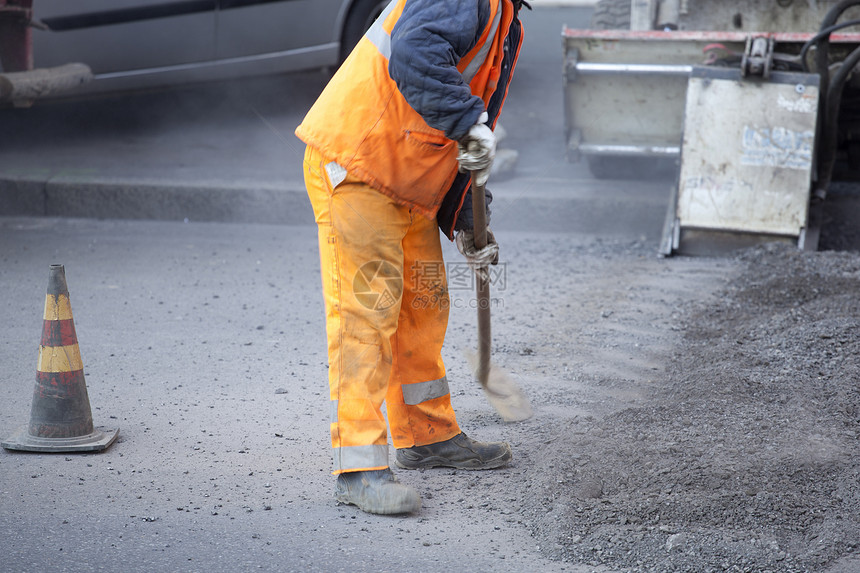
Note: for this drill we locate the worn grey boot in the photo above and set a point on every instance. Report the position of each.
(460, 452)
(376, 491)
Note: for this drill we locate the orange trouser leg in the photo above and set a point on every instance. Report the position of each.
(418, 401)
(366, 240)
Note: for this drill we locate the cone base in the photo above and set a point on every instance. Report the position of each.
(97, 441)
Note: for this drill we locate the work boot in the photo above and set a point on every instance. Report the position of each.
(376, 491)
(461, 452)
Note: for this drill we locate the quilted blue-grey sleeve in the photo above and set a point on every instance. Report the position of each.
(427, 42)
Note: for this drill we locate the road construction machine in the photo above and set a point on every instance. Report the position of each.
(755, 104)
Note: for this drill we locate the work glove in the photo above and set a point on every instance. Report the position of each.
(477, 150)
(478, 259)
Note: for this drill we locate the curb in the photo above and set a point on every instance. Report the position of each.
(238, 202)
(581, 205)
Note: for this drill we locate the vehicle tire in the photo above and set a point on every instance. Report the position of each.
(361, 15)
(611, 15)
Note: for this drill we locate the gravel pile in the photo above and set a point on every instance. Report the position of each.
(746, 458)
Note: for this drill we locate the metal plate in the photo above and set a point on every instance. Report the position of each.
(747, 152)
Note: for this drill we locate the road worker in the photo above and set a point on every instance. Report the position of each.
(392, 144)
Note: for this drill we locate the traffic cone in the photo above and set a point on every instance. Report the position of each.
(60, 416)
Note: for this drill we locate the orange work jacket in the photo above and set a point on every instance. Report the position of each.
(362, 122)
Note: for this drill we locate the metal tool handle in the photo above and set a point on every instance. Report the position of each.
(479, 215)
(482, 286)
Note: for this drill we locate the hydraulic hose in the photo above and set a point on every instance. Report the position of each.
(825, 33)
(823, 54)
(826, 114)
(829, 132)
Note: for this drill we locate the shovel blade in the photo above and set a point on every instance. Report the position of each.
(502, 392)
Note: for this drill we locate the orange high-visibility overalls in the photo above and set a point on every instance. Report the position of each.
(376, 174)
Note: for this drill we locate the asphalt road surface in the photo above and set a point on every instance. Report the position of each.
(202, 339)
(204, 344)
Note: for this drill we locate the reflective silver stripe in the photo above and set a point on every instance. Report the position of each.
(414, 394)
(352, 458)
(333, 411)
(377, 34)
(478, 61)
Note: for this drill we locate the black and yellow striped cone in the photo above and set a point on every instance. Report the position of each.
(60, 418)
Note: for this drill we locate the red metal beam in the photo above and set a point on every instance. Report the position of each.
(709, 36)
